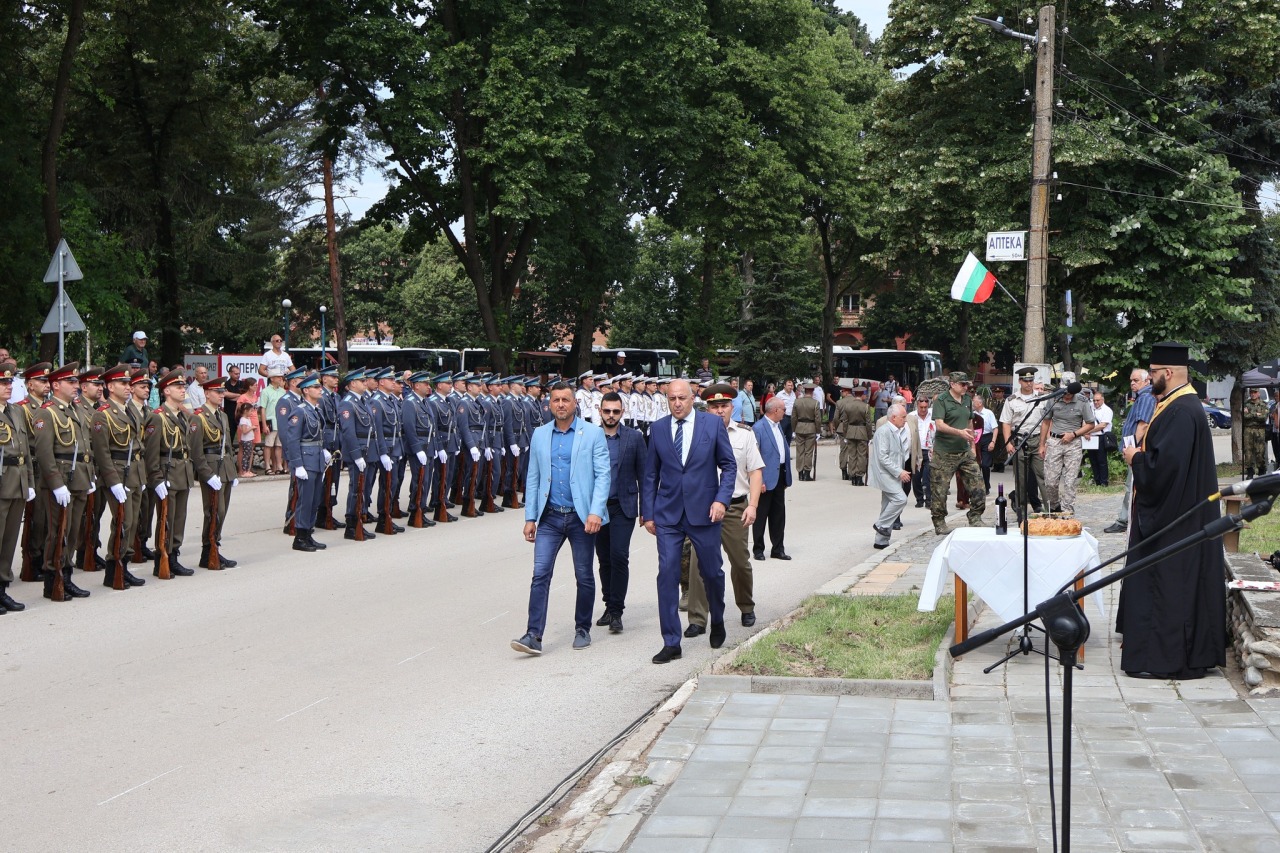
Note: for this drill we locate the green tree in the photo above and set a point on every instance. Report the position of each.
(435, 306)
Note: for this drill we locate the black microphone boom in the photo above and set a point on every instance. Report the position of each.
(1265, 485)
(1072, 388)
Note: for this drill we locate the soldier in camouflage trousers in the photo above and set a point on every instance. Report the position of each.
(1254, 418)
(953, 452)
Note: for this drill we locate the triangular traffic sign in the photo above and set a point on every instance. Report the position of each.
(70, 270)
(71, 321)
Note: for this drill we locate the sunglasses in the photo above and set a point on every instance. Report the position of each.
(611, 411)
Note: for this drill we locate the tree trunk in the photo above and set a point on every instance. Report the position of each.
(962, 343)
(706, 296)
(1237, 423)
(748, 285)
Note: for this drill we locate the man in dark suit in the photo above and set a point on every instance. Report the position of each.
(688, 483)
(613, 542)
(777, 477)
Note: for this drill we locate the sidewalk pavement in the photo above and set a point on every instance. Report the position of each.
(1190, 765)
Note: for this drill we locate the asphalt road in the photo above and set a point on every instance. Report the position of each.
(365, 697)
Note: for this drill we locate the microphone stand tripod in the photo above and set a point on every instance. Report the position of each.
(1066, 625)
(1022, 509)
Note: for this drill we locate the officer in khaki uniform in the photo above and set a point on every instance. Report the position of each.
(214, 458)
(806, 416)
(87, 558)
(62, 446)
(1254, 418)
(117, 455)
(1020, 419)
(167, 442)
(36, 378)
(853, 421)
(17, 482)
(139, 414)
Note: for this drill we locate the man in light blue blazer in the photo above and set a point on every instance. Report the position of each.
(567, 490)
(688, 483)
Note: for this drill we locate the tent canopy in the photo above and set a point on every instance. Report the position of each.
(1262, 376)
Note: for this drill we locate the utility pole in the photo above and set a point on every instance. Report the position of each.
(1041, 151)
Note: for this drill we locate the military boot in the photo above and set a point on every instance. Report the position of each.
(177, 568)
(319, 546)
(300, 542)
(6, 602)
(69, 586)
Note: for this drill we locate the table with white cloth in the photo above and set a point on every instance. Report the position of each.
(992, 566)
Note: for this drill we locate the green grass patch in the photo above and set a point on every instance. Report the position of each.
(837, 636)
(1262, 535)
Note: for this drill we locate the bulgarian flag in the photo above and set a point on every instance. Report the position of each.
(973, 283)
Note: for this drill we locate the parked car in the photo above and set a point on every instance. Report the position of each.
(1219, 418)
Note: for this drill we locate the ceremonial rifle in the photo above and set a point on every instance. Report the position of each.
(358, 535)
(59, 592)
(385, 524)
(89, 548)
(117, 555)
(28, 559)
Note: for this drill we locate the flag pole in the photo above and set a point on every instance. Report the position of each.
(1008, 294)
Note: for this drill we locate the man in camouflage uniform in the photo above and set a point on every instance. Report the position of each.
(1070, 420)
(853, 422)
(806, 415)
(953, 452)
(1254, 418)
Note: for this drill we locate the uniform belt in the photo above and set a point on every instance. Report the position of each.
(15, 460)
(562, 510)
(736, 501)
(316, 443)
(214, 451)
(1057, 434)
(365, 437)
(120, 455)
(71, 457)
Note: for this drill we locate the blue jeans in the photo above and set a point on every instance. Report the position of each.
(613, 554)
(553, 529)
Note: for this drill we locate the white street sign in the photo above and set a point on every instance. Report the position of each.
(1006, 245)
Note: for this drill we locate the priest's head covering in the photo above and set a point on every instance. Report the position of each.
(1170, 354)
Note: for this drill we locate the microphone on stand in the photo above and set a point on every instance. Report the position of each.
(1268, 484)
(1070, 388)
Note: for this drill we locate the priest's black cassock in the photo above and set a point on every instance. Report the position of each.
(1173, 614)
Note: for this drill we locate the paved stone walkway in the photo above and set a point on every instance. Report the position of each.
(1162, 766)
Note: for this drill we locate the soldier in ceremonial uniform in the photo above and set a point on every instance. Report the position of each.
(854, 421)
(284, 407)
(585, 395)
(540, 403)
(117, 455)
(498, 432)
(87, 557)
(419, 422)
(214, 457)
(140, 413)
(305, 455)
(62, 445)
(17, 482)
(36, 378)
(166, 441)
(1022, 413)
(361, 442)
(469, 416)
(520, 425)
(384, 403)
(1254, 418)
(447, 443)
(328, 407)
(806, 415)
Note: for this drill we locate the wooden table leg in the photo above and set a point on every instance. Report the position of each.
(1080, 604)
(962, 610)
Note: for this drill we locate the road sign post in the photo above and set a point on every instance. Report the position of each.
(63, 317)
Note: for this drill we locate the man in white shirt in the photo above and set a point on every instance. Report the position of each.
(195, 389)
(738, 516)
(276, 358)
(920, 425)
(788, 397)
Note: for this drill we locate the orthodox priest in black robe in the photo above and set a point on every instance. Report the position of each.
(1173, 615)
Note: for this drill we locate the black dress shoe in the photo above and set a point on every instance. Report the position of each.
(718, 634)
(350, 533)
(1115, 527)
(668, 654)
(9, 604)
(878, 546)
(897, 524)
(604, 619)
(301, 544)
(919, 504)
(748, 619)
(694, 630)
(758, 555)
(779, 555)
(880, 531)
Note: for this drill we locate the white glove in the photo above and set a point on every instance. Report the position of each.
(162, 490)
(235, 482)
(62, 495)
(488, 454)
(215, 483)
(93, 487)
(31, 494)
(515, 451)
(386, 461)
(475, 454)
(442, 456)
(118, 492)
(360, 465)
(328, 457)
(300, 473)
(422, 457)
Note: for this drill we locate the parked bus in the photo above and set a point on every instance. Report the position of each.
(909, 367)
(383, 355)
(649, 362)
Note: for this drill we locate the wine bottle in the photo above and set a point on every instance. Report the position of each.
(1002, 526)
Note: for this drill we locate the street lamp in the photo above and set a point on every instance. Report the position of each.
(286, 304)
(323, 337)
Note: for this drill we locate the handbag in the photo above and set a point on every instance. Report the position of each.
(1108, 442)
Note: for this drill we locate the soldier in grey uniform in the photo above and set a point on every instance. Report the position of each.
(447, 444)
(17, 482)
(387, 402)
(328, 407)
(419, 420)
(306, 459)
(1029, 467)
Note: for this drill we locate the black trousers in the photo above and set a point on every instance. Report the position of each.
(1098, 459)
(772, 512)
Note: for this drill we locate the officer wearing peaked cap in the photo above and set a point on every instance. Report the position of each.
(385, 403)
(361, 442)
(117, 454)
(304, 453)
(17, 481)
(586, 397)
(87, 557)
(447, 444)
(214, 457)
(419, 426)
(36, 378)
(166, 441)
(139, 392)
(328, 408)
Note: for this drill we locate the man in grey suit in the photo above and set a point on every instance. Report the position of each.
(887, 471)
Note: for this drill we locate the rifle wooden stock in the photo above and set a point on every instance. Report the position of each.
(358, 521)
(442, 491)
(62, 513)
(89, 548)
(117, 554)
(384, 519)
(417, 518)
(29, 569)
(215, 561)
(488, 505)
(162, 540)
(469, 492)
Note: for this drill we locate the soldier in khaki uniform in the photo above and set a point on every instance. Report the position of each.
(139, 413)
(806, 418)
(87, 557)
(37, 380)
(167, 443)
(953, 452)
(117, 455)
(66, 467)
(17, 482)
(1254, 420)
(854, 422)
(214, 458)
